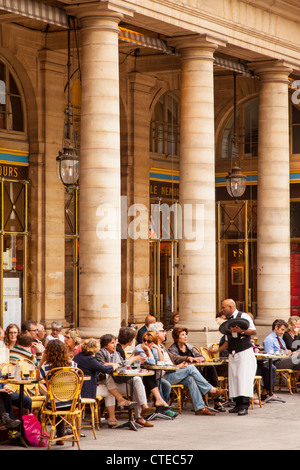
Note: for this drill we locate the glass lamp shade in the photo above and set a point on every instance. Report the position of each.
(67, 164)
(235, 182)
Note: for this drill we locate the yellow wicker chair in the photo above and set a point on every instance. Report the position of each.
(287, 380)
(63, 386)
(99, 400)
(177, 392)
(257, 387)
(94, 421)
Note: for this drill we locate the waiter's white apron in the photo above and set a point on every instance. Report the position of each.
(241, 373)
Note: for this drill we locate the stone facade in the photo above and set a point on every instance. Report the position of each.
(173, 46)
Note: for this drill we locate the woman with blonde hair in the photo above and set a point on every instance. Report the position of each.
(86, 361)
(73, 341)
(292, 335)
(151, 351)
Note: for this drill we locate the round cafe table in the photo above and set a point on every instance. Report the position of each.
(129, 375)
(270, 358)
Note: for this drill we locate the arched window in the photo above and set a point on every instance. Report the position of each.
(164, 126)
(247, 131)
(11, 107)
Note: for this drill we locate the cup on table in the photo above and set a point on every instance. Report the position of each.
(127, 364)
(137, 364)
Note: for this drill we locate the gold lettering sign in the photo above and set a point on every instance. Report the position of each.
(13, 171)
(164, 189)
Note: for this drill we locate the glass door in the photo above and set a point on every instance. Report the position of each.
(163, 279)
(236, 246)
(71, 256)
(14, 251)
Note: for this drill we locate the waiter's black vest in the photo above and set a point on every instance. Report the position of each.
(240, 343)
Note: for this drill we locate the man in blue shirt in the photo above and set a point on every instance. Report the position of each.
(274, 344)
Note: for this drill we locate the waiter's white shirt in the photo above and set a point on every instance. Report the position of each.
(242, 367)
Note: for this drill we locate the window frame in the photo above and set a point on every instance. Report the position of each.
(166, 125)
(7, 129)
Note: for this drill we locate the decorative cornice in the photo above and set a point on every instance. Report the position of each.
(189, 18)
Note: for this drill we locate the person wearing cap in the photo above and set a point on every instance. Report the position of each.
(242, 364)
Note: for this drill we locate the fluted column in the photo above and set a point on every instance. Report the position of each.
(197, 248)
(99, 200)
(273, 194)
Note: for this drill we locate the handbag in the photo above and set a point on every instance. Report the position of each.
(32, 431)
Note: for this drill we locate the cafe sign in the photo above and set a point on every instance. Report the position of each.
(164, 184)
(14, 164)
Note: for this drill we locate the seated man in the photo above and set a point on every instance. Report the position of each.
(148, 320)
(187, 375)
(274, 343)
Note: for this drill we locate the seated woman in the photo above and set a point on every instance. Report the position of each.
(11, 334)
(55, 355)
(56, 332)
(89, 365)
(151, 353)
(73, 340)
(109, 356)
(174, 319)
(292, 337)
(181, 347)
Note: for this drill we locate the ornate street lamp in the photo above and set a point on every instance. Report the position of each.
(235, 180)
(67, 164)
(67, 161)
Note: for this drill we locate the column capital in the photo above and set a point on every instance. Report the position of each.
(110, 8)
(197, 41)
(272, 70)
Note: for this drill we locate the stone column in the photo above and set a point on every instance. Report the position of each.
(47, 243)
(273, 194)
(99, 199)
(197, 268)
(139, 166)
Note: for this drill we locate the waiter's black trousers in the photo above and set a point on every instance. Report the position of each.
(242, 402)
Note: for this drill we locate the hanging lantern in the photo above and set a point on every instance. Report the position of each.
(67, 165)
(235, 182)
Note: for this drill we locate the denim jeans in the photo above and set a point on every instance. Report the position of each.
(165, 389)
(195, 382)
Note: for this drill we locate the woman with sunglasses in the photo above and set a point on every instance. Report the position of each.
(150, 350)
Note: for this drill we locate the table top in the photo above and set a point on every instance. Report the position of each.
(271, 356)
(133, 373)
(211, 363)
(20, 381)
(165, 367)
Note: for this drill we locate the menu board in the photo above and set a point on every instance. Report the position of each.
(12, 303)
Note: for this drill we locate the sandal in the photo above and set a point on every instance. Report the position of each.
(126, 403)
(219, 408)
(113, 423)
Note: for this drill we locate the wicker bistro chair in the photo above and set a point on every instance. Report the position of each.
(62, 403)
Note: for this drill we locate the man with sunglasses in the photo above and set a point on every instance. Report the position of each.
(186, 374)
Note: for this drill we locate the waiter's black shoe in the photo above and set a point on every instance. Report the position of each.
(236, 409)
(243, 412)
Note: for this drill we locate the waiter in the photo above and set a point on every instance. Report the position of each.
(242, 364)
